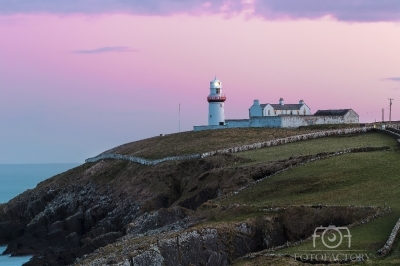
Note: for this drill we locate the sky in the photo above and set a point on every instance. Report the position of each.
(79, 77)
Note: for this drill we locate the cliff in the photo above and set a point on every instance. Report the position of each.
(115, 212)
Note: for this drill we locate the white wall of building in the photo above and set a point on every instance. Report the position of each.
(257, 110)
(216, 113)
(305, 110)
(289, 121)
(351, 117)
(268, 111)
(283, 121)
(266, 121)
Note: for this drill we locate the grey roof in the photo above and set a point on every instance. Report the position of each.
(338, 112)
(263, 105)
(287, 106)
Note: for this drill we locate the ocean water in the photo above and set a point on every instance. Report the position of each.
(6, 260)
(15, 179)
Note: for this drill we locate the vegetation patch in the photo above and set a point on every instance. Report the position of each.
(101, 199)
(203, 141)
(322, 145)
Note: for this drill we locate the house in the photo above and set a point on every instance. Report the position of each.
(271, 115)
(348, 116)
(269, 109)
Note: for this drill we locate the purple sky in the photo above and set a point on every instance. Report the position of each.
(77, 78)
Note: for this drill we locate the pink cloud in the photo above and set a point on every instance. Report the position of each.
(342, 10)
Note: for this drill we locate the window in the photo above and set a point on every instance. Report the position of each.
(210, 116)
(218, 90)
(221, 123)
(291, 112)
(304, 111)
(298, 112)
(220, 105)
(275, 111)
(269, 112)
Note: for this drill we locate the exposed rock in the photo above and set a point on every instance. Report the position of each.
(120, 213)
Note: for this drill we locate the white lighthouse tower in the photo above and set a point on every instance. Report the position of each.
(216, 99)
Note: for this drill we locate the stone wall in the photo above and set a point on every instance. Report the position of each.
(289, 121)
(396, 130)
(253, 146)
(312, 158)
(389, 243)
(237, 123)
(266, 121)
(284, 121)
(140, 160)
(390, 132)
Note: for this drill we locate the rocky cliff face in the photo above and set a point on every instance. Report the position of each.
(64, 222)
(88, 207)
(121, 213)
(220, 243)
(206, 246)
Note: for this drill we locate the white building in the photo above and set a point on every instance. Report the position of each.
(216, 99)
(268, 109)
(270, 115)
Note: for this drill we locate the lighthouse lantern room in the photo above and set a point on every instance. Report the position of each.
(216, 101)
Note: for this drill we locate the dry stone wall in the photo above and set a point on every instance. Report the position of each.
(285, 121)
(253, 146)
(389, 243)
(391, 131)
(313, 158)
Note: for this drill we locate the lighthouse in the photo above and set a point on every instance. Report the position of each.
(216, 99)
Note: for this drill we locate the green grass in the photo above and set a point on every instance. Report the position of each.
(329, 144)
(365, 239)
(217, 215)
(358, 179)
(208, 140)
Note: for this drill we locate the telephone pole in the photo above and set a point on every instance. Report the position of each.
(390, 110)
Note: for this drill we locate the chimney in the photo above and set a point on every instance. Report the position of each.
(281, 102)
(256, 102)
(301, 102)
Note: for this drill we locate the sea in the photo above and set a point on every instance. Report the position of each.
(15, 179)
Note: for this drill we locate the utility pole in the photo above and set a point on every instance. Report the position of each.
(383, 115)
(390, 110)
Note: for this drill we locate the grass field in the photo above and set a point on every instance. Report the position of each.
(314, 146)
(358, 179)
(352, 179)
(283, 207)
(203, 141)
